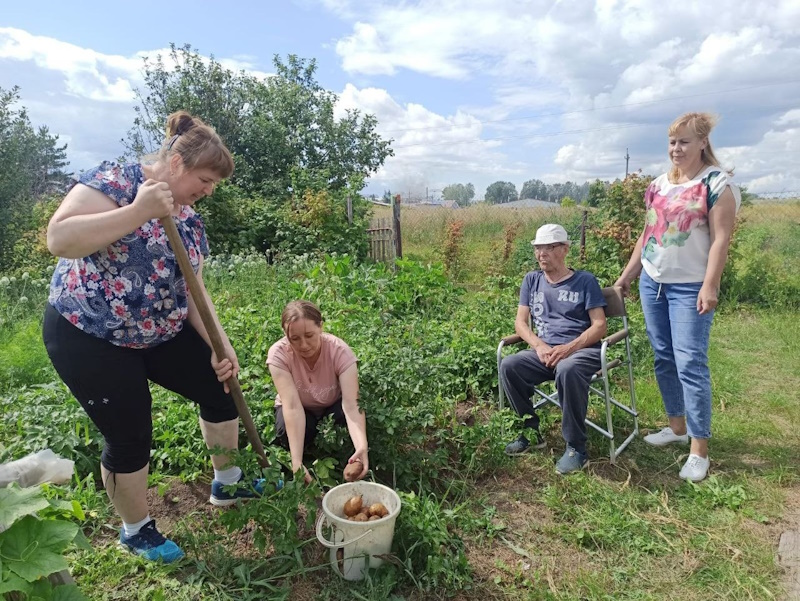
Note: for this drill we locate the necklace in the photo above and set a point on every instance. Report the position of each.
(698, 172)
(559, 278)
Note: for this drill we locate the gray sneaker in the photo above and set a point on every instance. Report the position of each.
(571, 461)
(523, 445)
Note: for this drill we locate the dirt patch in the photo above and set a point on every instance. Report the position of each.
(175, 500)
(529, 548)
(788, 555)
(465, 413)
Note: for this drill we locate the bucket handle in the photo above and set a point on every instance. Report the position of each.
(324, 541)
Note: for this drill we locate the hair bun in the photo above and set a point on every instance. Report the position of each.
(179, 123)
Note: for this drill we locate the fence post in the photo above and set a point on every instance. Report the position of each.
(398, 236)
(383, 238)
(583, 235)
(349, 210)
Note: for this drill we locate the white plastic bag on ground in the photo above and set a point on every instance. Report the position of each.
(37, 468)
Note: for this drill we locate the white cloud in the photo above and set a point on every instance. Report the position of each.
(87, 74)
(585, 66)
(482, 90)
(428, 146)
(84, 95)
(770, 165)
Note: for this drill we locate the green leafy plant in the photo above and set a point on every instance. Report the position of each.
(427, 547)
(32, 548)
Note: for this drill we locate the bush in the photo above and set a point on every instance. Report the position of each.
(762, 265)
(313, 221)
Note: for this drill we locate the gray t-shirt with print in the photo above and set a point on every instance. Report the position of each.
(560, 312)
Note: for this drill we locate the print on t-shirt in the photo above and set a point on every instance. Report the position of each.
(560, 312)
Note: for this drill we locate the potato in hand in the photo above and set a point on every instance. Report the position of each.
(352, 471)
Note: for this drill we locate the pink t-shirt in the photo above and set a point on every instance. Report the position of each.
(318, 388)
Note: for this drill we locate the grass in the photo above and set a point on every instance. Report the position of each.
(773, 233)
(424, 231)
(630, 530)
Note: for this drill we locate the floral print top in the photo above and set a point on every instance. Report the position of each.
(132, 292)
(676, 236)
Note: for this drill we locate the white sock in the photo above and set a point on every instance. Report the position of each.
(229, 476)
(132, 529)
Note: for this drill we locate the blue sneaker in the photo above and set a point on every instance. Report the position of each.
(151, 544)
(571, 461)
(221, 498)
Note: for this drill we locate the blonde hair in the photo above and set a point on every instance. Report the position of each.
(700, 124)
(198, 145)
(300, 309)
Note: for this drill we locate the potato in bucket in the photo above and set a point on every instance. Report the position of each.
(361, 542)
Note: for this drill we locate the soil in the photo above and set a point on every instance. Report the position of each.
(789, 545)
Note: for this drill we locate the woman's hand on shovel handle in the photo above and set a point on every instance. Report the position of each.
(227, 368)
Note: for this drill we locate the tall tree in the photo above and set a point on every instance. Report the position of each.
(534, 188)
(597, 192)
(32, 165)
(273, 126)
(462, 194)
(501, 192)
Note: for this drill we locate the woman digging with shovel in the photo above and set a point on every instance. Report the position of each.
(120, 315)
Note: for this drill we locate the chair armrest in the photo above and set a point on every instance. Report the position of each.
(513, 339)
(615, 337)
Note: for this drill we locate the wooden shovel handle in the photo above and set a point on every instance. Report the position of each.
(213, 333)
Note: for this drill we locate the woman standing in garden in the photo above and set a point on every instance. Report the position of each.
(119, 315)
(316, 375)
(680, 255)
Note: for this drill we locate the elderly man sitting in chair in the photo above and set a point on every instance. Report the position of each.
(566, 307)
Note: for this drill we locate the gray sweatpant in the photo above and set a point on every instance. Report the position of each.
(522, 371)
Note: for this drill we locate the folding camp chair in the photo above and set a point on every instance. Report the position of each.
(615, 308)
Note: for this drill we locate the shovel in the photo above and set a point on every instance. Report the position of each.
(213, 333)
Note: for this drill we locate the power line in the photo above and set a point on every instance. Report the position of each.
(594, 109)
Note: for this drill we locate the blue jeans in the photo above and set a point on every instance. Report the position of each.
(679, 336)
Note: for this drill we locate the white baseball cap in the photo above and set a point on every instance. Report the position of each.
(551, 233)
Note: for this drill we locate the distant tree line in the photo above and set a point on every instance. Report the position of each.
(501, 192)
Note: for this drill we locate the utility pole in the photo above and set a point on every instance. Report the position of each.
(627, 158)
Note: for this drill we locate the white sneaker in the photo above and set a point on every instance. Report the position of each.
(695, 468)
(665, 437)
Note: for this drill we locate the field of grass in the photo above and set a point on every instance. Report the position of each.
(772, 226)
(474, 524)
(424, 231)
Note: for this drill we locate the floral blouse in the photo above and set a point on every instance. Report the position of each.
(132, 292)
(676, 236)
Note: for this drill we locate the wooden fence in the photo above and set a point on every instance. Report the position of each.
(385, 238)
(381, 240)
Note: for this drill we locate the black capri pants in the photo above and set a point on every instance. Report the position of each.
(111, 384)
(312, 421)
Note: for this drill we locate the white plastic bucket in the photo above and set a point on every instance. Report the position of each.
(355, 545)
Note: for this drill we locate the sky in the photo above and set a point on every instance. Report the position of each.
(469, 91)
